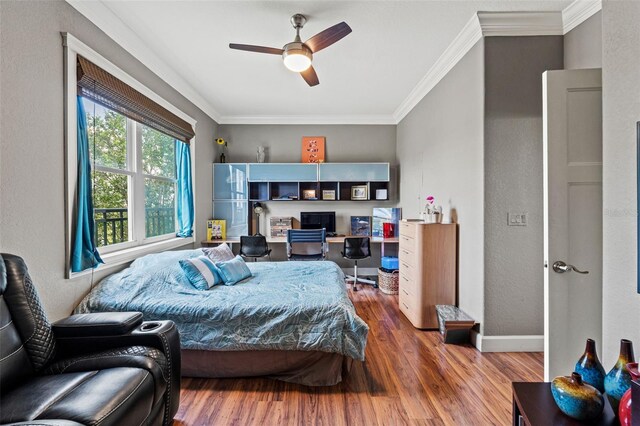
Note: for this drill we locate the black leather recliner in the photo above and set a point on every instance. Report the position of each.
(90, 369)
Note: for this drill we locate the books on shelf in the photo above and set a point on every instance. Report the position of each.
(280, 225)
(216, 229)
(385, 215)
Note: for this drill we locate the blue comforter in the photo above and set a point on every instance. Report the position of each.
(284, 306)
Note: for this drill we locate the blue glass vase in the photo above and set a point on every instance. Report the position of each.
(618, 380)
(589, 367)
(577, 399)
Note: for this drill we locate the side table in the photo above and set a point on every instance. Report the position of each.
(533, 405)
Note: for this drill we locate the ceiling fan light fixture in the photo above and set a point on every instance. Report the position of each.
(297, 57)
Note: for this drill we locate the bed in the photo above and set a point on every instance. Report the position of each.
(291, 321)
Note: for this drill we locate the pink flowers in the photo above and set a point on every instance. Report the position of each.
(431, 199)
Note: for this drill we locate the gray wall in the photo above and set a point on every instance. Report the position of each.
(344, 143)
(621, 111)
(583, 45)
(513, 290)
(440, 149)
(32, 146)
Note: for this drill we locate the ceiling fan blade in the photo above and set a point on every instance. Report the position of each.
(259, 49)
(310, 76)
(327, 37)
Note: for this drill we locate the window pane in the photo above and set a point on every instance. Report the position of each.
(110, 207)
(160, 207)
(107, 131)
(158, 153)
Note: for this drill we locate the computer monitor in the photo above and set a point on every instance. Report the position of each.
(318, 220)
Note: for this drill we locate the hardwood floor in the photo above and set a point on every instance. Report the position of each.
(409, 377)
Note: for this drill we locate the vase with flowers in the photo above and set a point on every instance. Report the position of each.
(223, 143)
(432, 213)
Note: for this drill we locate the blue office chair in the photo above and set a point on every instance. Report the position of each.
(306, 244)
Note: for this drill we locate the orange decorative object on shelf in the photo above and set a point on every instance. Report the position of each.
(313, 149)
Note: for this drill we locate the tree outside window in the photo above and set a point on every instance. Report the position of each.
(124, 183)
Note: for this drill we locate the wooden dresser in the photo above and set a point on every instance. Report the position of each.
(427, 270)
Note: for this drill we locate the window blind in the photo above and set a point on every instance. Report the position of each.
(100, 86)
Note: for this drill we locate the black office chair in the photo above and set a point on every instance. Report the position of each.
(357, 248)
(306, 244)
(254, 247)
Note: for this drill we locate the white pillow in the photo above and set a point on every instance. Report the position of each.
(222, 253)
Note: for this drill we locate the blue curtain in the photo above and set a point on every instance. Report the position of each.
(184, 194)
(84, 253)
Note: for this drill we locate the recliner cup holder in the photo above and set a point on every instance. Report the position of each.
(150, 326)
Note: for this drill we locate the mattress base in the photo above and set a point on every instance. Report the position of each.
(311, 368)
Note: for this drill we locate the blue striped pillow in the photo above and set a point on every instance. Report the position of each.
(201, 272)
(233, 271)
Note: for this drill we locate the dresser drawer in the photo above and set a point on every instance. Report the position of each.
(409, 306)
(407, 270)
(406, 292)
(407, 264)
(407, 230)
(407, 250)
(408, 257)
(407, 239)
(408, 283)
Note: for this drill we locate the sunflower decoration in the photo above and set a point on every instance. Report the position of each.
(223, 143)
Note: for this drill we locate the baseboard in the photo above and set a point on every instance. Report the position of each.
(507, 343)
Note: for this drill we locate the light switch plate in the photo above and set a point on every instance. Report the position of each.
(517, 219)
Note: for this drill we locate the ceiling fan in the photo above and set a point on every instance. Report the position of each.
(297, 55)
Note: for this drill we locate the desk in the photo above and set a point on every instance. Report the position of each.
(283, 240)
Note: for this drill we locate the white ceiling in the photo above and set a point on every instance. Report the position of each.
(369, 73)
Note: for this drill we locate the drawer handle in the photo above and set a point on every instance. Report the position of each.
(405, 265)
(405, 238)
(405, 291)
(405, 278)
(405, 306)
(405, 252)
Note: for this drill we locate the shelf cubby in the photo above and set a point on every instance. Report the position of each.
(345, 190)
(279, 190)
(310, 186)
(374, 186)
(329, 186)
(259, 191)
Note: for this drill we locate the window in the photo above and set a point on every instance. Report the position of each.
(134, 179)
(131, 139)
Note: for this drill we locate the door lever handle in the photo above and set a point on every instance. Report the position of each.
(560, 267)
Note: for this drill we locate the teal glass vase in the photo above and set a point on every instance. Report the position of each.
(618, 380)
(576, 398)
(589, 367)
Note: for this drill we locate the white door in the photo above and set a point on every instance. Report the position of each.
(572, 120)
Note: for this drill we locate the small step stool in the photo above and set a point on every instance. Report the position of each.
(454, 324)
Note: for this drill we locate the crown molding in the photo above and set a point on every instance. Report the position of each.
(517, 24)
(578, 12)
(373, 119)
(482, 24)
(467, 38)
(104, 18)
